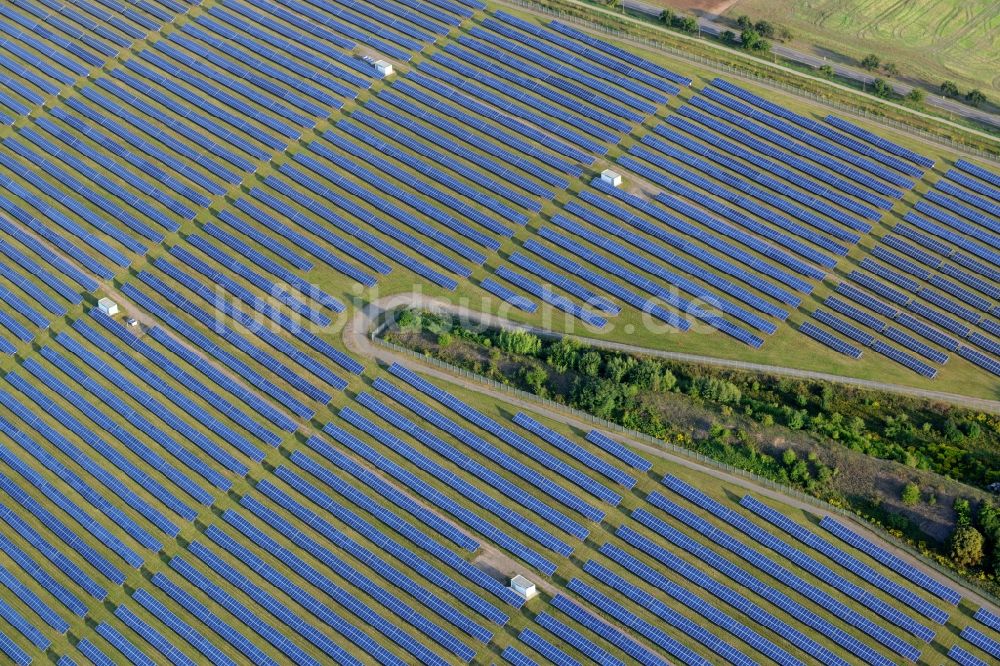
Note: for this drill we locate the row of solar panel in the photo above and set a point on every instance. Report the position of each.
(392, 547)
(811, 565)
(781, 600)
(465, 138)
(432, 495)
(730, 150)
(600, 94)
(848, 562)
(608, 69)
(521, 444)
(784, 149)
(711, 299)
(131, 442)
(763, 114)
(686, 229)
(523, 525)
(387, 599)
(817, 128)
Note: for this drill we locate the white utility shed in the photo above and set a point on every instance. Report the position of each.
(612, 178)
(523, 587)
(108, 307)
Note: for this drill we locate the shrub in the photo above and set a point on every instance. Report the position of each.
(910, 495)
(519, 342)
(881, 88)
(966, 546)
(975, 97)
(949, 89)
(870, 62)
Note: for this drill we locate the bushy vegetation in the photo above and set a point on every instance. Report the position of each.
(624, 389)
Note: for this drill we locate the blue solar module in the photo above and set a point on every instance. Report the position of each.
(511, 655)
(572, 637)
(550, 297)
(978, 172)
(713, 616)
(989, 619)
(854, 313)
(717, 589)
(829, 340)
(804, 562)
(618, 451)
(472, 493)
(989, 645)
(383, 568)
(128, 649)
(783, 601)
(895, 563)
(963, 657)
(879, 142)
(982, 360)
(556, 518)
(915, 345)
(521, 444)
(848, 562)
(545, 648)
(93, 653)
(905, 359)
(616, 637)
(574, 450)
(437, 498)
(515, 299)
(841, 326)
(652, 632)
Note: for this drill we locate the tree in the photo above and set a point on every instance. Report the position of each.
(752, 41)
(667, 17)
(963, 512)
(966, 548)
(826, 70)
(870, 62)
(727, 36)
(535, 378)
(949, 89)
(688, 24)
(519, 342)
(910, 496)
(744, 22)
(881, 89)
(590, 364)
(765, 28)
(563, 353)
(915, 96)
(890, 69)
(975, 97)
(784, 34)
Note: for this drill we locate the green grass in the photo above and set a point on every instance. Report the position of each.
(932, 41)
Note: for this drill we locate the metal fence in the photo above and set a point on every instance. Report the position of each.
(752, 75)
(674, 450)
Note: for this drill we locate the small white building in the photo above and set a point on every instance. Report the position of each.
(523, 587)
(612, 178)
(383, 68)
(108, 307)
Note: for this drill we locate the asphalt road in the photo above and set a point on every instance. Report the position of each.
(951, 106)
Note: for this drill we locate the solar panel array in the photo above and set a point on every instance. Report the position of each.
(939, 285)
(185, 182)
